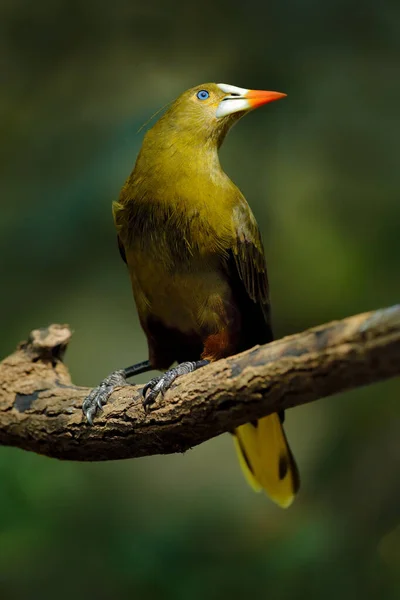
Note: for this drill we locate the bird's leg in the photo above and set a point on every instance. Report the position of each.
(100, 394)
(159, 385)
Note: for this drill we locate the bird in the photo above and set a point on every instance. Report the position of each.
(197, 267)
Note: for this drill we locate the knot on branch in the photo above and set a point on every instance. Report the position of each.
(47, 343)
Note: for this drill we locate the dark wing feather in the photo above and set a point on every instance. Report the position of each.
(248, 276)
(249, 280)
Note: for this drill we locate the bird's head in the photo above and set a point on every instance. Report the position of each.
(207, 111)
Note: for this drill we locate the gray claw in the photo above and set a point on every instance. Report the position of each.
(100, 394)
(150, 385)
(160, 385)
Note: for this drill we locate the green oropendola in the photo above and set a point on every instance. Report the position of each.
(197, 266)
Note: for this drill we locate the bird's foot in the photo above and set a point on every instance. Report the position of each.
(159, 385)
(99, 395)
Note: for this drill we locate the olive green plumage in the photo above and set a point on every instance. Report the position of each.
(196, 260)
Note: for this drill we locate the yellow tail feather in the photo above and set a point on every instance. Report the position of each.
(266, 459)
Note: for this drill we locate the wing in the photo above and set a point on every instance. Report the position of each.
(248, 275)
(249, 281)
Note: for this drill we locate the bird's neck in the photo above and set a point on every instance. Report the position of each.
(171, 169)
(177, 190)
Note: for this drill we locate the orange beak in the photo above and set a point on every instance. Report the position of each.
(257, 98)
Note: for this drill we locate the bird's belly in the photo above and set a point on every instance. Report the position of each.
(192, 300)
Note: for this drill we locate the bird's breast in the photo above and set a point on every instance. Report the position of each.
(189, 297)
(175, 246)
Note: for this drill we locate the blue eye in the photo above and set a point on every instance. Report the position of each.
(202, 95)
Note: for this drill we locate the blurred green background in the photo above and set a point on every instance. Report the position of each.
(321, 172)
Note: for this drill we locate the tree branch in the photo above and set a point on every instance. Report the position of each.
(40, 409)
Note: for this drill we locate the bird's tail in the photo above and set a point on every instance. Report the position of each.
(266, 459)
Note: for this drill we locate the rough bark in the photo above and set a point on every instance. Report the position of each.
(40, 408)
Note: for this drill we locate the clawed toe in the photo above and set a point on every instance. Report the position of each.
(155, 387)
(159, 385)
(98, 397)
(150, 385)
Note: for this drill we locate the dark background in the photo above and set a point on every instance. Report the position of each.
(321, 172)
